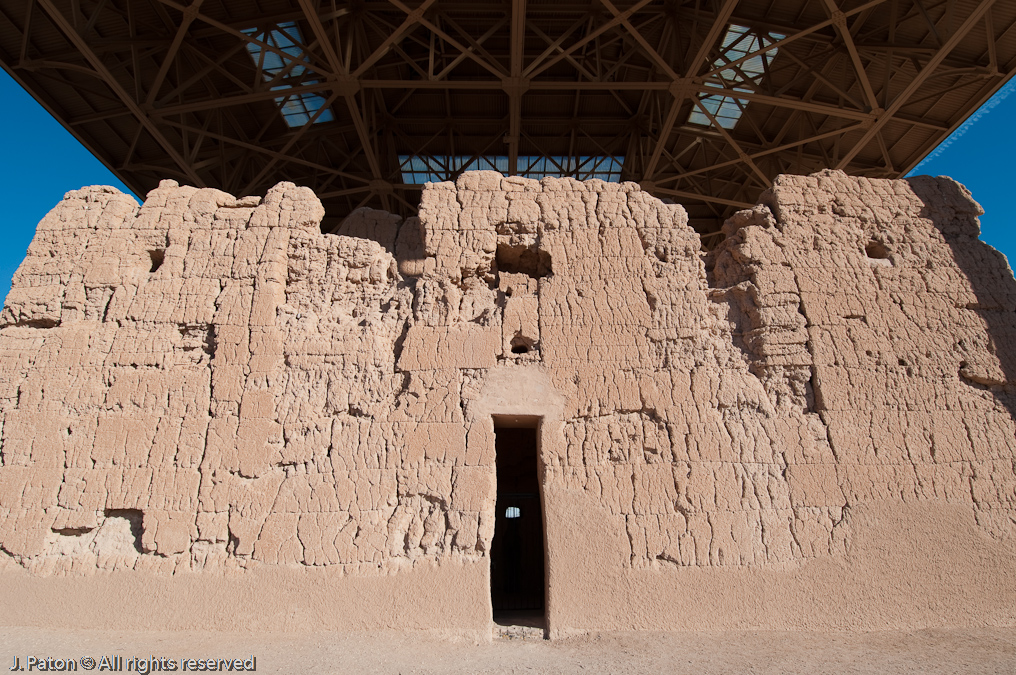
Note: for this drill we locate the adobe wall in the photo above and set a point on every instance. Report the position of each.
(223, 418)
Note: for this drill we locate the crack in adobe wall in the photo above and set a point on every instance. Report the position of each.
(753, 272)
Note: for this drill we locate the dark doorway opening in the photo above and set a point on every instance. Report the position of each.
(516, 553)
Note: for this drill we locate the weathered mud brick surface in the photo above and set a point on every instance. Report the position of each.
(207, 383)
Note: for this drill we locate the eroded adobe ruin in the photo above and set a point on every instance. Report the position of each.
(208, 405)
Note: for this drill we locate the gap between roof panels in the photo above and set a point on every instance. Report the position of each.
(297, 109)
(746, 76)
(420, 169)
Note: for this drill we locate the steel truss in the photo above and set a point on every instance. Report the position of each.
(163, 88)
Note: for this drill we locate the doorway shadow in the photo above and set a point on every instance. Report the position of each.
(517, 575)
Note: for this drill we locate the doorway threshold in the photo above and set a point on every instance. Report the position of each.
(520, 624)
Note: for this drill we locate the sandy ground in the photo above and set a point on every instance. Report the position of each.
(982, 650)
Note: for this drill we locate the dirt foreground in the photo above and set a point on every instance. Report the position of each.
(982, 650)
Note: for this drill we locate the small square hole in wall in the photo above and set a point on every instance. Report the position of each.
(876, 250)
(157, 256)
(877, 254)
(523, 259)
(522, 345)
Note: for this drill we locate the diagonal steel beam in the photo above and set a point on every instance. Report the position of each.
(260, 149)
(343, 85)
(463, 56)
(189, 15)
(763, 153)
(823, 79)
(649, 50)
(928, 20)
(239, 34)
(555, 45)
(680, 94)
(839, 20)
(493, 69)
(365, 136)
(345, 192)
(901, 99)
(475, 49)
(290, 143)
(787, 102)
(311, 14)
(794, 36)
(65, 27)
(733, 144)
(711, 38)
(26, 31)
(703, 197)
(239, 99)
(539, 65)
(33, 65)
(215, 65)
(413, 17)
(989, 29)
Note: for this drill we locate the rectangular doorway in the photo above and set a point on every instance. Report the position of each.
(517, 588)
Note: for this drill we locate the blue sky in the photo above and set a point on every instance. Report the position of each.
(40, 161)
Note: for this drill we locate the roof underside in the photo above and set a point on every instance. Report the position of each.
(701, 101)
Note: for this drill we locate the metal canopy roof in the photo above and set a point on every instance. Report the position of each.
(700, 101)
